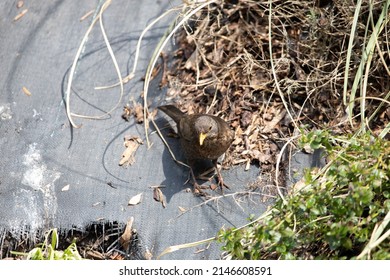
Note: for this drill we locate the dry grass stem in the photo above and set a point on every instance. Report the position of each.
(72, 70)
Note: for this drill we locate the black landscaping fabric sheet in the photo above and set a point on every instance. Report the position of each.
(53, 176)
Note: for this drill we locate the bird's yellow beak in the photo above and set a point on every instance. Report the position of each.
(202, 136)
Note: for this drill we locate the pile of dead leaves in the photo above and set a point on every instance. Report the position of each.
(223, 67)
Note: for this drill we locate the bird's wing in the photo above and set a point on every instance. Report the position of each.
(185, 129)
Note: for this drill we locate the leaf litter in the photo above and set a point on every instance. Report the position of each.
(222, 66)
(159, 196)
(135, 199)
(131, 143)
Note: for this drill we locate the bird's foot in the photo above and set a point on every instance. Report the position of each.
(219, 180)
(221, 183)
(199, 190)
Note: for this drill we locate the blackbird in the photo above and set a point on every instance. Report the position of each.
(202, 137)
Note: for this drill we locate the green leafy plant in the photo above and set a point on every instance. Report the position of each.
(339, 212)
(47, 250)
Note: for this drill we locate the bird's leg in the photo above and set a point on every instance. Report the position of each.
(206, 174)
(197, 188)
(221, 183)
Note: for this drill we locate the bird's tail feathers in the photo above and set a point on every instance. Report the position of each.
(172, 111)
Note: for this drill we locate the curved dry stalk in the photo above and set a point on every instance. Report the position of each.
(279, 159)
(71, 74)
(281, 94)
(349, 50)
(387, 128)
(380, 52)
(154, 61)
(137, 51)
(376, 237)
(167, 145)
(371, 97)
(72, 70)
(174, 248)
(117, 71)
(324, 81)
(366, 56)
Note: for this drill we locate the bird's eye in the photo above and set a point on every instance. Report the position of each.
(210, 127)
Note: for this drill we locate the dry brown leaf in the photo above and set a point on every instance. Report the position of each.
(308, 149)
(155, 71)
(247, 165)
(253, 137)
(139, 112)
(131, 143)
(20, 15)
(125, 238)
(135, 199)
(275, 120)
(159, 196)
(164, 78)
(192, 61)
(246, 119)
(126, 113)
(263, 158)
(26, 91)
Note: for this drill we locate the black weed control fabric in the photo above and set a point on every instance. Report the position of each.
(52, 176)
(55, 176)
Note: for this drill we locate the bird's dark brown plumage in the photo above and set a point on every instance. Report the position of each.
(202, 136)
